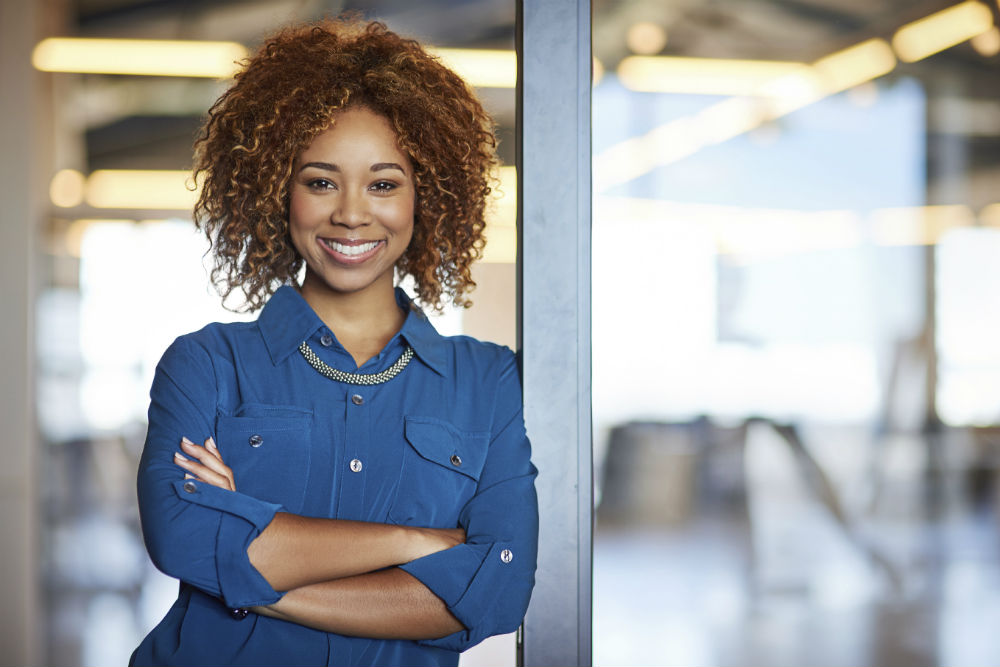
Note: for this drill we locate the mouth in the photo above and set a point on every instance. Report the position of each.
(351, 251)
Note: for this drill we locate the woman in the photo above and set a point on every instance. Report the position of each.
(336, 483)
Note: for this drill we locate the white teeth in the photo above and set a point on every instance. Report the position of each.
(351, 250)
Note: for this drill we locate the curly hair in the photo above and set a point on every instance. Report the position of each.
(289, 92)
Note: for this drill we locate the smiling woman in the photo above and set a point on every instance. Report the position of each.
(337, 483)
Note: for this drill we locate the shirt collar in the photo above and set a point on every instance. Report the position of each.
(287, 320)
(426, 342)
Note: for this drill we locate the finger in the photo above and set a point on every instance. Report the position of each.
(212, 449)
(204, 455)
(204, 473)
(212, 461)
(226, 470)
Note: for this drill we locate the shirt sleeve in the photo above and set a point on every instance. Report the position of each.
(194, 531)
(486, 582)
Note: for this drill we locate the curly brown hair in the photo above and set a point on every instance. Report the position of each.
(290, 91)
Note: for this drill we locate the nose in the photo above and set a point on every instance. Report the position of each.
(353, 210)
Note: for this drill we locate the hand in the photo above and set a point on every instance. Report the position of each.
(205, 463)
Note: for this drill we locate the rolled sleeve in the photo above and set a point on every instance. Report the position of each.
(194, 531)
(486, 583)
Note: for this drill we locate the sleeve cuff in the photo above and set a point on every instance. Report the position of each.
(470, 578)
(242, 519)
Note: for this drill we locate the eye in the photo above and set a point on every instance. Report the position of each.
(320, 184)
(382, 186)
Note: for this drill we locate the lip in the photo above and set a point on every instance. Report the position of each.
(350, 259)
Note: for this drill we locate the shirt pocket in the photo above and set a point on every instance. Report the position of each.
(440, 472)
(268, 449)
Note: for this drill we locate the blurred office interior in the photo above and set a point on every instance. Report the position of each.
(796, 375)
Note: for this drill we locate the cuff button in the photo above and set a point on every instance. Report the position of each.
(456, 460)
(190, 486)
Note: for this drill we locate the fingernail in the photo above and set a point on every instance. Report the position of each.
(178, 455)
(185, 441)
(210, 444)
(188, 475)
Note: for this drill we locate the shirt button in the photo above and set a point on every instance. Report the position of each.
(456, 460)
(190, 486)
(256, 440)
(506, 555)
(356, 465)
(357, 399)
(326, 340)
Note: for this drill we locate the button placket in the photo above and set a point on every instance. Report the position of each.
(351, 494)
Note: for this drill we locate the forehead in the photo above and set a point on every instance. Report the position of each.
(357, 131)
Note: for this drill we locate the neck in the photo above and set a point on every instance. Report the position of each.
(362, 321)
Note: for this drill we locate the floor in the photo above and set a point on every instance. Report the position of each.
(767, 576)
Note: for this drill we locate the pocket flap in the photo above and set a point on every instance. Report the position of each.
(441, 443)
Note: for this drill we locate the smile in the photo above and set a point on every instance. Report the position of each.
(350, 250)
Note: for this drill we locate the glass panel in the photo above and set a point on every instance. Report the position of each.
(794, 360)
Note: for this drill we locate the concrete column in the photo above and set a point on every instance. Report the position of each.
(23, 173)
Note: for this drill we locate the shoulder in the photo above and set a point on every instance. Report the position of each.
(481, 365)
(212, 343)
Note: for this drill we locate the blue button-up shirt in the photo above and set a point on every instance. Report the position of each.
(440, 445)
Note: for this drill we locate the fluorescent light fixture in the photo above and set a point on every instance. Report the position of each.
(791, 86)
(703, 76)
(149, 57)
(854, 65)
(140, 189)
(484, 68)
(942, 30)
(990, 215)
(66, 188)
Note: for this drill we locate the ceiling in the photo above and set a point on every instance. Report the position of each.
(150, 122)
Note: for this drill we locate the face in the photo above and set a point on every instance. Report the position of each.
(351, 206)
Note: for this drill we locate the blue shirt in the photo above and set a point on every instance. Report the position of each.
(440, 445)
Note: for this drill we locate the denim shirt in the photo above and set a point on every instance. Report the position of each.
(440, 445)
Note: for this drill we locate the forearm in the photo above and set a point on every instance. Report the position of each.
(295, 551)
(389, 604)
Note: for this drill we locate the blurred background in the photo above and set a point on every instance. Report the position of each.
(796, 374)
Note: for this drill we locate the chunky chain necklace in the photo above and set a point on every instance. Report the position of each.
(356, 378)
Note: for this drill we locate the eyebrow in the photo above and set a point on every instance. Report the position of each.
(328, 166)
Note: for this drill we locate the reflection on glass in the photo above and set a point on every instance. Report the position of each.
(795, 359)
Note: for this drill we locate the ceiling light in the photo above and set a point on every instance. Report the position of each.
(140, 189)
(66, 188)
(646, 38)
(987, 44)
(703, 76)
(942, 30)
(484, 68)
(990, 215)
(151, 57)
(855, 65)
